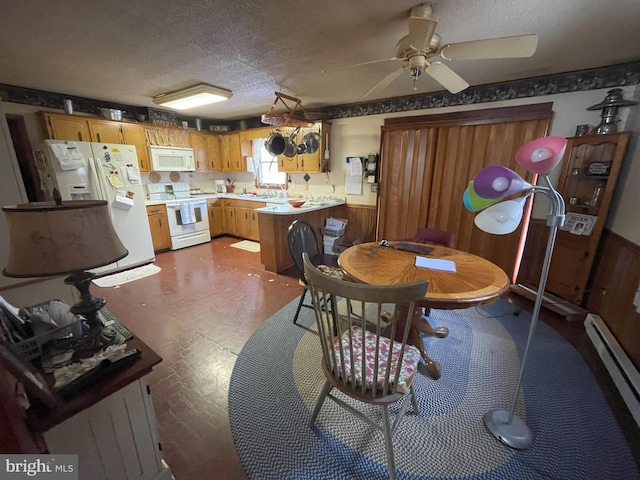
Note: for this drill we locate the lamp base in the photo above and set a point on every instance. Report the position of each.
(515, 434)
(95, 340)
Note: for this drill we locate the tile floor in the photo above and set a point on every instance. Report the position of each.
(198, 312)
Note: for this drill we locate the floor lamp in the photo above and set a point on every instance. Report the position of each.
(489, 193)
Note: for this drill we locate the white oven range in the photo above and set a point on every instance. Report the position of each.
(188, 222)
(188, 217)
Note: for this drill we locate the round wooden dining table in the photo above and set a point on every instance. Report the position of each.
(475, 281)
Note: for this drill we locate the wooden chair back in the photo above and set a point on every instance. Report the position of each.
(364, 307)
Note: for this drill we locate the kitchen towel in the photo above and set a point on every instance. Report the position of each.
(187, 213)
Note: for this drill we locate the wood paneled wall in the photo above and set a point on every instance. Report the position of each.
(615, 277)
(615, 280)
(362, 223)
(426, 165)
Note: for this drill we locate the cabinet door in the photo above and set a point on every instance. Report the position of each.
(159, 226)
(67, 127)
(199, 151)
(286, 164)
(236, 159)
(243, 222)
(216, 220)
(255, 229)
(105, 131)
(212, 146)
(116, 437)
(229, 219)
(225, 153)
(133, 134)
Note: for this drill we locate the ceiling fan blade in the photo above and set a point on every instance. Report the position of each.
(446, 77)
(386, 80)
(420, 31)
(360, 64)
(520, 46)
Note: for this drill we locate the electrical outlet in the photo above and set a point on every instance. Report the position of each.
(306, 186)
(333, 189)
(374, 188)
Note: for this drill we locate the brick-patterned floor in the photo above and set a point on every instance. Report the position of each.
(198, 312)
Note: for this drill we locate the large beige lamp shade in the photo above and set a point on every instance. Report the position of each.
(48, 238)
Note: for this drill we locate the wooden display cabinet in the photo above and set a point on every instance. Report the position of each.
(590, 170)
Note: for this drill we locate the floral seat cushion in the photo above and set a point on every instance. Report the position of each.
(410, 360)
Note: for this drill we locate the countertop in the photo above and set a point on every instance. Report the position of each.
(279, 206)
(286, 209)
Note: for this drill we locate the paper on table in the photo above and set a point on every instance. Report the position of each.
(436, 264)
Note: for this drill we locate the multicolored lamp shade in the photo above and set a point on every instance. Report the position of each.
(498, 182)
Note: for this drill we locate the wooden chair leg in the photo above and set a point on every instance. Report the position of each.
(323, 394)
(388, 443)
(295, 318)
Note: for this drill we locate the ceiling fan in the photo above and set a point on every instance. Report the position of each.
(422, 51)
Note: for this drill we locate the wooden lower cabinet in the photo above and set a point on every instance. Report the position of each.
(159, 225)
(115, 438)
(216, 217)
(241, 218)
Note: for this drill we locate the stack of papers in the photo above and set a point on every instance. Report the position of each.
(436, 264)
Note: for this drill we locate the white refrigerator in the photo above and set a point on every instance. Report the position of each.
(102, 171)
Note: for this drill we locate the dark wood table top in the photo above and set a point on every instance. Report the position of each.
(476, 280)
(42, 418)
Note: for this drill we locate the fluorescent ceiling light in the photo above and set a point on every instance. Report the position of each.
(191, 97)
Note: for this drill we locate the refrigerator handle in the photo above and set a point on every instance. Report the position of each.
(98, 180)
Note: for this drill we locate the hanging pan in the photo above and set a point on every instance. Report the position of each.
(275, 144)
(291, 148)
(312, 142)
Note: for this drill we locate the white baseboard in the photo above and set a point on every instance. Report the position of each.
(622, 371)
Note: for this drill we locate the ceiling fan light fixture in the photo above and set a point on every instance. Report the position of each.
(191, 97)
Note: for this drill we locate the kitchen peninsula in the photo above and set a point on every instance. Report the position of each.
(274, 222)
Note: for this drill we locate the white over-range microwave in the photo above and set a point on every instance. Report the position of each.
(171, 159)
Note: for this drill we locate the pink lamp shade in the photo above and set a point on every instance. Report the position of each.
(501, 218)
(498, 182)
(473, 202)
(542, 155)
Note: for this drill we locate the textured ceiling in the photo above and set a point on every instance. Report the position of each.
(128, 51)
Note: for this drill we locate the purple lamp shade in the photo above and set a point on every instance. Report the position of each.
(542, 155)
(498, 182)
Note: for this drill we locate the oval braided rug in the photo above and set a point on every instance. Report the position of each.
(277, 378)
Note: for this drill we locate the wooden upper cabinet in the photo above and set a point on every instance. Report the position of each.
(236, 160)
(105, 131)
(64, 127)
(225, 154)
(307, 162)
(212, 147)
(199, 151)
(133, 134)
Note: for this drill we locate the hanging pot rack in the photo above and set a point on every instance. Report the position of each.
(288, 118)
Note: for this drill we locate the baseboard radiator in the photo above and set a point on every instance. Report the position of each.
(621, 369)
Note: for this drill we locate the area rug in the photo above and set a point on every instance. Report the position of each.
(277, 378)
(247, 245)
(127, 276)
